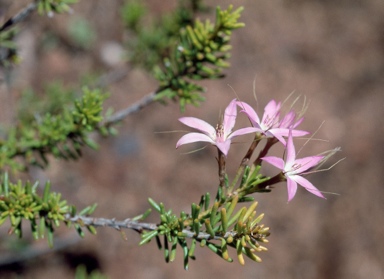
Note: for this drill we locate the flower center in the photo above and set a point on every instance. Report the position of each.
(293, 168)
(220, 132)
(270, 121)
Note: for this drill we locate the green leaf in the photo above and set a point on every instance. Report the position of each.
(5, 188)
(224, 220)
(92, 230)
(209, 228)
(146, 237)
(50, 236)
(192, 249)
(154, 205)
(172, 255)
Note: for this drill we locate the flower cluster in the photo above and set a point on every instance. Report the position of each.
(273, 126)
(221, 136)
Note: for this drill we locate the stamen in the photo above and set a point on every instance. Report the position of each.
(270, 122)
(295, 167)
(219, 130)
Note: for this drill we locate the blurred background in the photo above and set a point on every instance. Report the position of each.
(330, 52)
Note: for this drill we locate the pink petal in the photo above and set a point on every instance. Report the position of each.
(277, 133)
(271, 112)
(298, 122)
(230, 117)
(307, 185)
(275, 161)
(224, 146)
(287, 120)
(198, 124)
(280, 133)
(272, 108)
(251, 113)
(291, 153)
(284, 132)
(307, 163)
(243, 131)
(299, 133)
(291, 187)
(194, 137)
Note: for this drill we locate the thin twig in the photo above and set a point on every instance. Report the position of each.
(245, 161)
(222, 171)
(113, 223)
(264, 151)
(207, 236)
(111, 77)
(20, 16)
(121, 114)
(268, 183)
(138, 226)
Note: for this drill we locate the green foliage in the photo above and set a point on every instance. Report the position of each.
(61, 133)
(252, 181)
(6, 38)
(44, 212)
(132, 13)
(150, 38)
(53, 99)
(219, 225)
(81, 273)
(81, 32)
(216, 226)
(179, 49)
(54, 6)
(201, 53)
(8, 48)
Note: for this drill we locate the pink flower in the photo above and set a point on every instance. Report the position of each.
(289, 121)
(221, 136)
(270, 125)
(293, 168)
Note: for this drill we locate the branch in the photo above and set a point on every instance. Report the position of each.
(115, 76)
(222, 172)
(138, 226)
(111, 77)
(20, 16)
(219, 229)
(104, 222)
(121, 114)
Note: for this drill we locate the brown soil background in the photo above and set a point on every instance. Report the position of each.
(331, 52)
